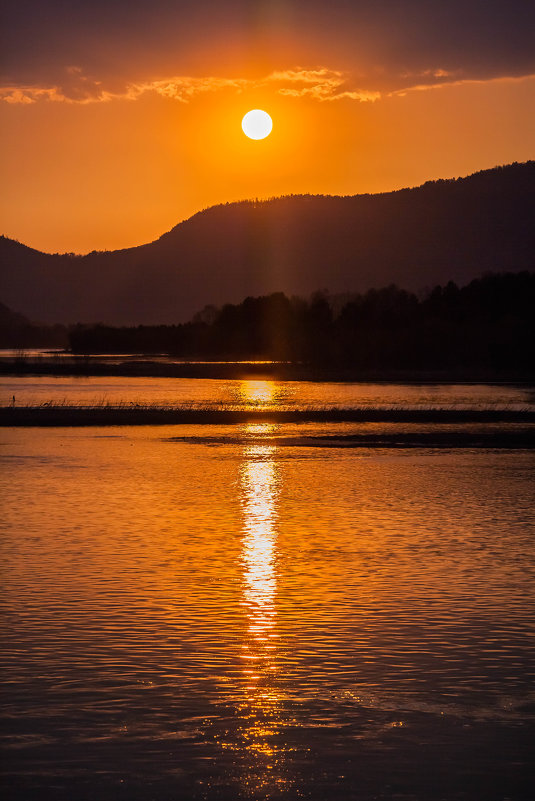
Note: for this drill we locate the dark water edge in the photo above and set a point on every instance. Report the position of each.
(66, 364)
(431, 760)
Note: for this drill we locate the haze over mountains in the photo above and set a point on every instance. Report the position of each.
(416, 238)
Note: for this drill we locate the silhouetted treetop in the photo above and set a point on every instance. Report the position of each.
(488, 324)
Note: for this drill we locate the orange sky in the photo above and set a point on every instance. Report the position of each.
(105, 164)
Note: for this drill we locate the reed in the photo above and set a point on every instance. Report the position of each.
(116, 414)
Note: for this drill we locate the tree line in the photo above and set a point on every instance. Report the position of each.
(487, 324)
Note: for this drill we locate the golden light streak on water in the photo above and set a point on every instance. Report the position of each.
(257, 393)
(261, 706)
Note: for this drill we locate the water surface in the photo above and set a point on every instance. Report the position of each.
(223, 618)
(258, 394)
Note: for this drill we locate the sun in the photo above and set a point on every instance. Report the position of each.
(257, 124)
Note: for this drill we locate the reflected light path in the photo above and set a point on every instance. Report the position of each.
(259, 485)
(261, 700)
(259, 393)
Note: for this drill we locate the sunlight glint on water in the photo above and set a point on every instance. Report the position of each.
(261, 706)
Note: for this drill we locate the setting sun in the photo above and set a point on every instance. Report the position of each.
(267, 399)
(257, 124)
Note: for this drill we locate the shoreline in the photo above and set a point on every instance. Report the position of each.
(66, 364)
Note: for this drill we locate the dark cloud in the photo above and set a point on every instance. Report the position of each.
(384, 44)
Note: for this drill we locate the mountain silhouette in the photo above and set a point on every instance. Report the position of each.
(10, 318)
(443, 230)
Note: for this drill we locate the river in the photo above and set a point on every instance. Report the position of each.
(196, 612)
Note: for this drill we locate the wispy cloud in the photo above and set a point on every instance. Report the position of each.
(433, 73)
(320, 84)
(452, 81)
(53, 94)
(184, 88)
(77, 89)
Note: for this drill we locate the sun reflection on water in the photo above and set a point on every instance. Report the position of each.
(260, 393)
(261, 705)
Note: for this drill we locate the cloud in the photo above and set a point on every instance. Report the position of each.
(78, 88)
(434, 73)
(126, 40)
(320, 84)
(33, 94)
(433, 85)
(184, 88)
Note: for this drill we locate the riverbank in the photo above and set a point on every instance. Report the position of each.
(66, 364)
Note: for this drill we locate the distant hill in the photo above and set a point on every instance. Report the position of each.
(9, 318)
(16, 331)
(444, 230)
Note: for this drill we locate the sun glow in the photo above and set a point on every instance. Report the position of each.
(257, 124)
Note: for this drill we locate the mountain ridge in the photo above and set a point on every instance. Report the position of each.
(449, 229)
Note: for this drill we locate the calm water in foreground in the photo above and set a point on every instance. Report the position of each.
(189, 614)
